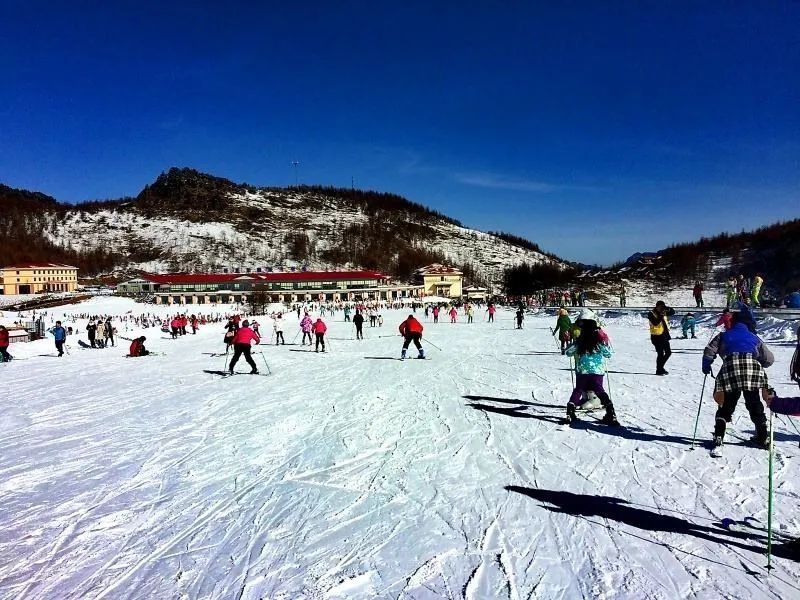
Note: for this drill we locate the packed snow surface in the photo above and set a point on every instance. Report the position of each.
(351, 474)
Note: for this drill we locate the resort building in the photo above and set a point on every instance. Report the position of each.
(35, 278)
(300, 286)
(442, 281)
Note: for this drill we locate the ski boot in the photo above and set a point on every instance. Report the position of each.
(571, 416)
(403, 354)
(760, 442)
(610, 418)
(421, 353)
(254, 372)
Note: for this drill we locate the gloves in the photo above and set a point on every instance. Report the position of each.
(706, 366)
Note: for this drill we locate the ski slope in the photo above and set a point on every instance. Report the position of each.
(351, 474)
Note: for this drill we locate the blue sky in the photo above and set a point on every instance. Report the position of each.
(595, 129)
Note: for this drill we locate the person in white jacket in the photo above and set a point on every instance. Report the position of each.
(277, 325)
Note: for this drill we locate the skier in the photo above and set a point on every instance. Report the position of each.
(346, 313)
(241, 345)
(755, 292)
(520, 317)
(659, 334)
(373, 317)
(563, 328)
(319, 334)
(183, 322)
(175, 326)
(230, 333)
(277, 325)
(60, 336)
(697, 292)
(109, 333)
(358, 321)
(744, 358)
(411, 330)
(436, 314)
(687, 325)
(470, 313)
(194, 324)
(590, 353)
(306, 325)
(137, 347)
(453, 314)
(491, 310)
(91, 330)
(4, 341)
(725, 319)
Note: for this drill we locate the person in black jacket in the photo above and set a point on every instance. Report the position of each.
(358, 321)
(659, 334)
(91, 330)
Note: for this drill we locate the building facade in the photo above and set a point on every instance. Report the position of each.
(36, 278)
(318, 286)
(439, 280)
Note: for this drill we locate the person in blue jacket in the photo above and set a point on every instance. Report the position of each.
(60, 335)
(744, 358)
(687, 325)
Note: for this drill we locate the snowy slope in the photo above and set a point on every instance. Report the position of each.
(353, 475)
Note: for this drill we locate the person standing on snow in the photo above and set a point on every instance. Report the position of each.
(101, 333)
(306, 326)
(4, 341)
(563, 328)
(241, 345)
(520, 317)
(659, 334)
(622, 300)
(491, 310)
(453, 314)
(411, 330)
(730, 293)
(758, 281)
(470, 313)
(60, 336)
(590, 353)
(230, 333)
(436, 314)
(744, 358)
(319, 334)
(697, 292)
(358, 322)
(277, 325)
(194, 324)
(346, 313)
(109, 332)
(91, 331)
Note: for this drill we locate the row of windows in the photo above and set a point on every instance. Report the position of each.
(53, 272)
(286, 285)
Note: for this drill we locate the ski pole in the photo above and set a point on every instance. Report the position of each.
(571, 374)
(427, 341)
(793, 425)
(295, 335)
(608, 379)
(699, 406)
(265, 363)
(769, 498)
(225, 368)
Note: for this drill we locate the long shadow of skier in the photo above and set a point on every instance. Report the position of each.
(515, 411)
(494, 399)
(617, 509)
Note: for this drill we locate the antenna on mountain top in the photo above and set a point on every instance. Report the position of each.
(295, 164)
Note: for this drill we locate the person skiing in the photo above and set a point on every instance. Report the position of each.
(470, 313)
(137, 347)
(744, 358)
(91, 331)
(306, 326)
(195, 324)
(697, 292)
(755, 292)
(687, 325)
(277, 325)
(4, 341)
(373, 317)
(491, 310)
(109, 332)
(358, 322)
(659, 334)
(563, 328)
(520, 317)
(346, 313)
(319, 334)
(725, 319)
(590, 353)
(175, 326)
(436, 314)
(453, 314)
(411, 330)
(241, 345)
(230, 333)
(60, 336)
(183, 322)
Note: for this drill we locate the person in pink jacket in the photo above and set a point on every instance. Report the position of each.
(242, 339)
(175, 326)
(453, 314)
(491, 310)
(319, 333)
(306, 325)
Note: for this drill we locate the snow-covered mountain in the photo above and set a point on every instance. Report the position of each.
(191, 221)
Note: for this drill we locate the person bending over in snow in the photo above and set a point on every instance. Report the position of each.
(319, 334)
(590, 353)
(241, 345)
(659, 334)
(563, 328)
(725, 319)
(137, 347)
(744, 358)
(687, 324)
(411, 330)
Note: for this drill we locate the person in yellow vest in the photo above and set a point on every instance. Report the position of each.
(756, 290)
(659, 334)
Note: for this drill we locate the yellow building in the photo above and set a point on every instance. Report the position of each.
(439, 280)
(34, 278)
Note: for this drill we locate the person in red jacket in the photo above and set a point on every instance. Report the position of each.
(175, 326)
(453, 314)
(4, 345)
(241, 345)
(411, 330)
(137, 347)
(726, 319)
(319, 329)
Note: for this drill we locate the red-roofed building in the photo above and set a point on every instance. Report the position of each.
(209, 288)
(32, 278)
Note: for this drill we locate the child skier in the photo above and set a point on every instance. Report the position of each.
(744, 358)
(687, 324)
(563, 327)
(590, 353)
(306, 325)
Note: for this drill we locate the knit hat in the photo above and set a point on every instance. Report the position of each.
(587, 315)
(745, 316)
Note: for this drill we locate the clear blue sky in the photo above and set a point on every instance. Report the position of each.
(593, 128)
